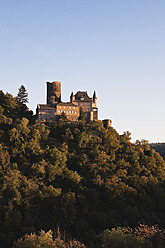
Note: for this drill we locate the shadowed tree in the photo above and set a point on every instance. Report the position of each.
(22, 95)
(81, 117)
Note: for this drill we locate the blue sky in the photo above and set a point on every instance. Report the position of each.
(116, 47)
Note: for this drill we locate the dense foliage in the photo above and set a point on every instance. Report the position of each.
(141, 237)
(83, 177)
(46, 240)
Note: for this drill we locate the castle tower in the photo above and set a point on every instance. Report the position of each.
(53, 92)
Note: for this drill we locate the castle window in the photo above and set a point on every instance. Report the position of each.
(59, 111)
(74, 108)
(60, 107)
(88, 103)
(82, 98)
(67, 111)
(64, 107)
(70, 107)
(81, 104)
(73, 112)
(88, 109)
(70, 111)
(64, 111)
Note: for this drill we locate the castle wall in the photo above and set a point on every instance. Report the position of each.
(86, 106)
(46, 115)
(54, 107)
(107, 123)
(48, 112)
(95, 114)
(71, 111)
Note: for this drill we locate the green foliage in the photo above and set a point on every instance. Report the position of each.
(11, 109)
(22, 95)
(45, 240)
(142, 236)
(120, 238)
(82, 177)
(81, 117)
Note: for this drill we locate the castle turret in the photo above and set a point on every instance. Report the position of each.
(94, 99)
(72, 97)
(53, 92)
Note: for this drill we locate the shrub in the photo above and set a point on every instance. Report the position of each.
(45, 240)
(120, 238)
(152, 236)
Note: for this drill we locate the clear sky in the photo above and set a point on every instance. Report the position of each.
(116, 47)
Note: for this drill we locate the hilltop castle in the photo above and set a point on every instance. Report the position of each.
(55, 107)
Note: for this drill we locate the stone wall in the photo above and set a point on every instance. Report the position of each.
(46, 115)
(71, 112)
(53, 92)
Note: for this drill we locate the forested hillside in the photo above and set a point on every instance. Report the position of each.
(83, 178)
(159, 147)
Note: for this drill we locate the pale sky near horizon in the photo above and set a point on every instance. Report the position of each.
(115, 47)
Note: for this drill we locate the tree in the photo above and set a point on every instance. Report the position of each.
(22, 95)
(81, 116)
(120, 237)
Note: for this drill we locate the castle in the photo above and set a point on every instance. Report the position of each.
(55, 107)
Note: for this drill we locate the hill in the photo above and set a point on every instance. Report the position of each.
(159, 147)
(83, 178)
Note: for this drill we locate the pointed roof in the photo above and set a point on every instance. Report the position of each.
(94, 95)
(72, 94)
